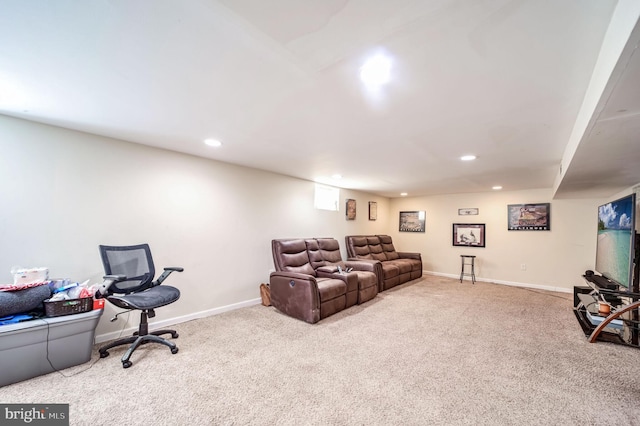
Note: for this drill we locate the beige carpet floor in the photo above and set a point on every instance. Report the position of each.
(430, 352)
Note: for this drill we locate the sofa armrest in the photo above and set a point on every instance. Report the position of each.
(405, 255)
(327, 268)
(350, 279)
(295, 295)
(371, 265)
(362, 264)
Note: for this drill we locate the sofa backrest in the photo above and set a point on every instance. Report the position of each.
(323, 251)
(305, 255)
(329, 250)
(388, 248)
(291, 256)
(357, 246)
(315, 257)
(377, 247)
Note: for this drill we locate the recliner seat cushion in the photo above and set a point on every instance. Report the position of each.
(390, 270)
(403, 267)
(330, 288)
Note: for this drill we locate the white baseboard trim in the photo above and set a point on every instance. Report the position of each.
(502, 282)
(177, 320)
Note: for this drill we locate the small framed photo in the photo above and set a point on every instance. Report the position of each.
(469, 234)
(468, 211)
(412, 221)
(373, 210)
(351, 209)
(529, 217)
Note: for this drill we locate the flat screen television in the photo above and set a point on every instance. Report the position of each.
(616, 237)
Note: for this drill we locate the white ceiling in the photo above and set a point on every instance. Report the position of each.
(277, 82)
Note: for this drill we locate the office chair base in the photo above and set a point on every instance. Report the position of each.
(174, 334)
(137, 340)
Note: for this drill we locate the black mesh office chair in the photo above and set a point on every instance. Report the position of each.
(129, 284)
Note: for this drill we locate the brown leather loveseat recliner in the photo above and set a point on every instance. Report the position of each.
(396, 267)
(308, 284)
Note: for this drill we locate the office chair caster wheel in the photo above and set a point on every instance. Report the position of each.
(174, 335)
(104, 354)
(126, 364)
(174, 350)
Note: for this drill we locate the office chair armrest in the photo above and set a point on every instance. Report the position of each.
(109, 280)
(165, 274)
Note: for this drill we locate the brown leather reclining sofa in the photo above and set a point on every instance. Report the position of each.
(308, 284)
(397, 267)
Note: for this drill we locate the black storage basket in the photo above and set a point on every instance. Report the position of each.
(68, 307)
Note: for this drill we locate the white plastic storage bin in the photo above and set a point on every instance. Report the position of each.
(23, 346)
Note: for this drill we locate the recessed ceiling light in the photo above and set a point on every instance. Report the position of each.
(376, 71)
(497, 187)
(336, 176)
(404, 194)
(468, 157)
(213, 142)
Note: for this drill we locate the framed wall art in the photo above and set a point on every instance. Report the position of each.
(468, 211)
(469, 234)
(412, 221)
(529, 217)
(351, 209)
(373, 210)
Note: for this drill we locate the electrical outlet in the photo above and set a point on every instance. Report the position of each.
(523, 266)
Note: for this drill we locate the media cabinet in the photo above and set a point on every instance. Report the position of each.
(620, 325)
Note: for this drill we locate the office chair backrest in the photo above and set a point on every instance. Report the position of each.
(135, 262)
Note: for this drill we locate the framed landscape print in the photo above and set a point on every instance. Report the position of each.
(351, 209)
(469, 234)
(412, 221)
(529, 217)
